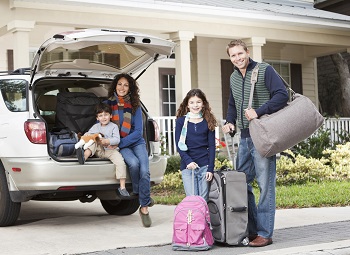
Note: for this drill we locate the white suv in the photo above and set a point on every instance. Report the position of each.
(81, 61)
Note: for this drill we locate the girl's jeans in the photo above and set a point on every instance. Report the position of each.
(201, 186)
(261, 217)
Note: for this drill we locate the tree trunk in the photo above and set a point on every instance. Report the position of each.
(344, 76)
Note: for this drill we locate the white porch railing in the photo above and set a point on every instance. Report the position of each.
(167, 130)
(337, 126)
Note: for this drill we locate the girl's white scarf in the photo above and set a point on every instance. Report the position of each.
(182, 141)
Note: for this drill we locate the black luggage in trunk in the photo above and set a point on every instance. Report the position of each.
(76, 110)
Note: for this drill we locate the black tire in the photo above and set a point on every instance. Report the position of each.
(9, 211)
(120, 207)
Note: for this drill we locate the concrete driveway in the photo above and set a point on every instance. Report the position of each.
(73, 227)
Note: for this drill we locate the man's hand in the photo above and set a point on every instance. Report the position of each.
(227, 128)
(250, 114)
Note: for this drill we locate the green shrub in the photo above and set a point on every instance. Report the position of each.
(173, 165)
(221, 161)
(170, 181)
(314, 146)
(299, 169)
(339, 161)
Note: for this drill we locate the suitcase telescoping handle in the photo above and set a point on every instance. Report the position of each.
(193, 179)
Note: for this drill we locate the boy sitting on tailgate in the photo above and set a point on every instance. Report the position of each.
(107, 147)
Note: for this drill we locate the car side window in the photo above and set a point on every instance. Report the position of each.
(14, 94)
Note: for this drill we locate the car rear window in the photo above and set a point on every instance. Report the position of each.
(14, 94)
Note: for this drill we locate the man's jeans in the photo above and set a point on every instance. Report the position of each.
(136, 158)
(261, 217)
(201, 186)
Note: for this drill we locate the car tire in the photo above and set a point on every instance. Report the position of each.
(9, 211)
(121, 207)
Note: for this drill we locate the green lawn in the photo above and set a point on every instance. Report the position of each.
(293, 196)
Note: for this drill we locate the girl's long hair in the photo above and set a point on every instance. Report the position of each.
(206, 111)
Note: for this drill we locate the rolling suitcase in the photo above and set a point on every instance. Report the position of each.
(228, 207)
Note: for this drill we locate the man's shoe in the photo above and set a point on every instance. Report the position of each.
(80, 156)
(252, 237)
(145, 218)
(260, 242)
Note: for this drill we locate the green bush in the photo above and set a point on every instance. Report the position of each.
(294, 169)
(313, 146)
(173, 165)
(174, 161)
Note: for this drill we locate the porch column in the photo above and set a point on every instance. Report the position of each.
(183, 63)
(254, 45)
(20, 30)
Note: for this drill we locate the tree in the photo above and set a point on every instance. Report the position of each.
(342, 68)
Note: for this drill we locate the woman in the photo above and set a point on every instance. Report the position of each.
(124, 98)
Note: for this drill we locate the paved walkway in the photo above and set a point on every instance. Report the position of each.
(57, 228)
(309, 231)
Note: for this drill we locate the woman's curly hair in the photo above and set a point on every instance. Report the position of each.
(134, 90)
(206, 111)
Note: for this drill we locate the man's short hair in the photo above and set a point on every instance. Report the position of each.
(234, 43)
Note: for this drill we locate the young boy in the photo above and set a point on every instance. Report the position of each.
(107, 147)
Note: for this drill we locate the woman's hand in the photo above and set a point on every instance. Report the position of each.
(209, 176)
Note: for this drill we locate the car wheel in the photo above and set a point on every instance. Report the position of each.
(120, 207)
(9, 211)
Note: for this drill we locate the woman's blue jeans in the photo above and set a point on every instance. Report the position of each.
(136, 158)
(261, 217)
(201, 185)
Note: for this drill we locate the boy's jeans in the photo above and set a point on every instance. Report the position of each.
(261, 217)
(201, 186)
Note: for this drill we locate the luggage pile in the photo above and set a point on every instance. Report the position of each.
(223, 219)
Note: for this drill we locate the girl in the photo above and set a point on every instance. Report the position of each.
(195, 140)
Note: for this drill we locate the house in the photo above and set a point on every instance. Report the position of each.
(290, 35)
(337, 6)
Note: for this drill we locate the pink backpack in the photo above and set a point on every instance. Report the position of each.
(191, 227)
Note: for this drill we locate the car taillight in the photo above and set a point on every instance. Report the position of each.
(156, 131)
(35, 131)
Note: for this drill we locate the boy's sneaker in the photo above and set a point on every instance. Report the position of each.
(80, 156)
(123, 192)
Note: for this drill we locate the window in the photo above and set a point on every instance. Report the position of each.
(167, 93)
(14, 94)
(291, 73)
(282, 68)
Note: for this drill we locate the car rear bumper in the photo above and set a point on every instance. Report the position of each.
(45, 174)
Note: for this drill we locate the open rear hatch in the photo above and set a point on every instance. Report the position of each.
(85, 62)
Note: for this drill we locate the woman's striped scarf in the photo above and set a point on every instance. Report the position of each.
(124, 104)
(182, 141)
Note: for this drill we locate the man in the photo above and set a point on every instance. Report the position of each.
(270, 95)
